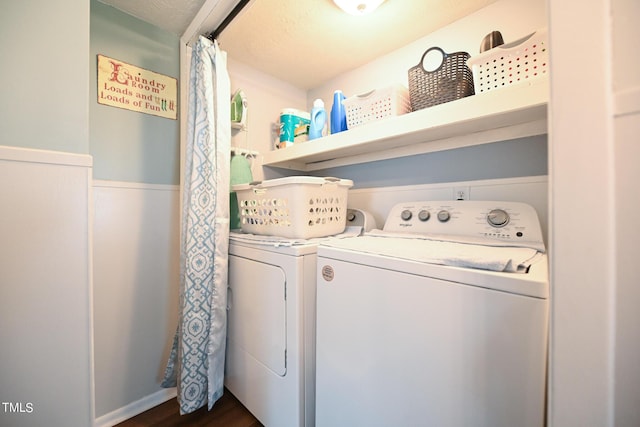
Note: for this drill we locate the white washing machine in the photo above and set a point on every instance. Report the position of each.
(438, 320)
(270, 356)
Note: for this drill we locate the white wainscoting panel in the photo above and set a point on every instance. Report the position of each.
(45, 288)
(136, 280)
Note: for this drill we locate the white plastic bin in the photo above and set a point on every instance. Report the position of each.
(376, 105)
(516, 62)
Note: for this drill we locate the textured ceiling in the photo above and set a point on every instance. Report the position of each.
(306, 42)
(171, 15)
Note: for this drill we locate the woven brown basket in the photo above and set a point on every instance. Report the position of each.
(450, 81)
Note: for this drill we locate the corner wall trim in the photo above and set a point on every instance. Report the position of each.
(134, 185)
(627, 101)
(34, 155)
(135, 408)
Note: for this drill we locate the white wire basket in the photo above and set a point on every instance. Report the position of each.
(298, 207)
(376, 105)
(520, 61)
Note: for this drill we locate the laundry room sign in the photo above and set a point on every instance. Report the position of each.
(133, 88)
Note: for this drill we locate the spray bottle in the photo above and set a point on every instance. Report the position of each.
(338, 114)
(318, 126)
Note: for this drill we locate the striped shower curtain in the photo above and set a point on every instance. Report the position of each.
(196, 363)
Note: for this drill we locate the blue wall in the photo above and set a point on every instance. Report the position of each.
(127, 145)
(44, 48)
(504, 159)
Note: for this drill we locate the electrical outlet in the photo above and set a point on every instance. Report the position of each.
(461, 193)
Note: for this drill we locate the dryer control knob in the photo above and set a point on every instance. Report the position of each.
(444, 216)
(424, 215)
(406, 215)
(498, 218)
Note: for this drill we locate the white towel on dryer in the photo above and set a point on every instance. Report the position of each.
(276, 241)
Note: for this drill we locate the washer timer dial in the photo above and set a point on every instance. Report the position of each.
(498, 218)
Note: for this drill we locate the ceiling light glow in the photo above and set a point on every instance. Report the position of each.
(358, 7)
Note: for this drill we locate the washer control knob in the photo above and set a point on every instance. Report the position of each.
(351, 216)
(424, 215)
(406, 215)
(444, 216)
(498, 218)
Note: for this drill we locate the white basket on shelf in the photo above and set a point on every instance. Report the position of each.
(300, 207)
(376, 105)
(520, 61)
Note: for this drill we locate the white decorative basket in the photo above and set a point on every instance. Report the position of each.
(299, 207)
(520, 61)
(377, 104)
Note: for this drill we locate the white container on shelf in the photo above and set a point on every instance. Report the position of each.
(295, 207)
(376, 105)
(508, 64)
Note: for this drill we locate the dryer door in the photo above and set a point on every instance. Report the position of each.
(257, 311)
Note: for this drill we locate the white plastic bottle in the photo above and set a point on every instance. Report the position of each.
(318, 126)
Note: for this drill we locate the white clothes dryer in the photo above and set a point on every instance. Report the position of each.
(271, 330)
(270, 355)
(440, 320)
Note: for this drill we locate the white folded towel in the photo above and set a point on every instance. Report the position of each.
(422, 249)
(275, 241)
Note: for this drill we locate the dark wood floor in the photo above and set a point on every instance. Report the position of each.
(226, 412)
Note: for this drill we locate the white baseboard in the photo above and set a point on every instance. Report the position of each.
(135, 408)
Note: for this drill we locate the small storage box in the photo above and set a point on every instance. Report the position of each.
(447, 80)
(299, 207)
(522, 60)
(376, 105)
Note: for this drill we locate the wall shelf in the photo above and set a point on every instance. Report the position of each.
(513, 112)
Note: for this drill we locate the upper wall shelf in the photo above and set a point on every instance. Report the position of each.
(512, 112)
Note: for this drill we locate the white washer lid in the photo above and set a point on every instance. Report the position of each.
(361, 251)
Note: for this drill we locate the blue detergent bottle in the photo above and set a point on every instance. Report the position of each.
(318, 126)
(338, 113)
